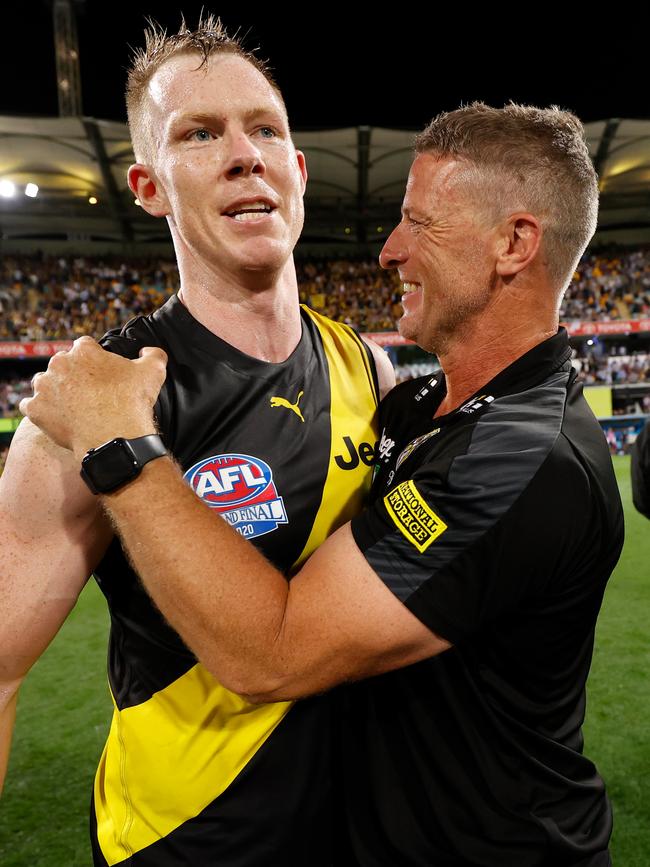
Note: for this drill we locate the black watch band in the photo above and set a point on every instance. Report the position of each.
(147, 448)
(113, 464)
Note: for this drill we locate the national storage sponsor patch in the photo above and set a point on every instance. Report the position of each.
(412, 516)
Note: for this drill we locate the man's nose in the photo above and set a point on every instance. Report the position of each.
(244, 157)
(393, 253)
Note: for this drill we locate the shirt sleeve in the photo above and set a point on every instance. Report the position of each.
(640, 470)
(127, 342)
(463, 543)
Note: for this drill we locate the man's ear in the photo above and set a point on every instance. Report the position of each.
(519, 244)
(302, 165)
(145, 186)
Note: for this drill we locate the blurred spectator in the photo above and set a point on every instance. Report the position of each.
(11, 393)
(613, 369)
(621, 439)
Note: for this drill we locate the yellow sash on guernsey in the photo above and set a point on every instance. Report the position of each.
(353, 413)
(169, 757)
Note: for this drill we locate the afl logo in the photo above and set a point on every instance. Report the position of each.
(241, 489)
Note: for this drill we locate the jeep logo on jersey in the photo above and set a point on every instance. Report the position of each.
(350, 461)
(241, 489)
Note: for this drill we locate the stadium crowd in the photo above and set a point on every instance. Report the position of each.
(609, 287)
(615, 368)
(61, 298)
(50, 298)
(46, 298)
(612, 369)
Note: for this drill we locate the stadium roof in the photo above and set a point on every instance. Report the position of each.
(356, 180)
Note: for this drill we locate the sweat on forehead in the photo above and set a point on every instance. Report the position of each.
(209, 40)
(178, 78)
(186, 84)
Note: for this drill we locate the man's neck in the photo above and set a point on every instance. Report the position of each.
(474, 361)
(261, 320)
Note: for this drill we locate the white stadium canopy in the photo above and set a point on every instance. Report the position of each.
(356, 180)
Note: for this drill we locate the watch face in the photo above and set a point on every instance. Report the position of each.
(111, 465)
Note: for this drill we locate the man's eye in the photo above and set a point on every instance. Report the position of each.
(202, 135)
(267, 132)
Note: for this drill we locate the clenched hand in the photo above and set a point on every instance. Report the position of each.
(88, 396)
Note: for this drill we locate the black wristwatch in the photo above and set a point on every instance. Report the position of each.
(115, 463)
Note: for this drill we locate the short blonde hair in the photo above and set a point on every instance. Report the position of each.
(525, 158)
(209, 38)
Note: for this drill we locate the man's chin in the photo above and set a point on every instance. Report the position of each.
(266, 255)
(407, 328)
(265, 267)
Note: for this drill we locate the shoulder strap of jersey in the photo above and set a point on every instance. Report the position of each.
(127, 341)
(337, 336)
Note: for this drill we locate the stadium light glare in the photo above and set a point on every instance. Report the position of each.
(92, 200)
(31, 190)
(380, 228)
(347, 230)
(590, 342)
(7, 189)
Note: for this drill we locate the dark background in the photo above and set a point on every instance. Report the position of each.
(344, 64)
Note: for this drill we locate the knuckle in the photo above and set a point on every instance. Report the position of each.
(29, 407)
(40, 382)
(84, 345)
(57, 360)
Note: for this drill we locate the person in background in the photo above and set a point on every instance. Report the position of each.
(640, 470)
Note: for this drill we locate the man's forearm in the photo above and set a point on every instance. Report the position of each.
(260, 636)
(224, 599)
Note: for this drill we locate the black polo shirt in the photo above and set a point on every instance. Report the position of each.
(498, 526)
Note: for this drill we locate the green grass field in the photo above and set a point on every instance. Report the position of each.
(618, 706)
(64, 712)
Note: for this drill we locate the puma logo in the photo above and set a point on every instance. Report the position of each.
(282, 401)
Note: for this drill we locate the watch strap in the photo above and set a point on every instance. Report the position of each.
(147, 448)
